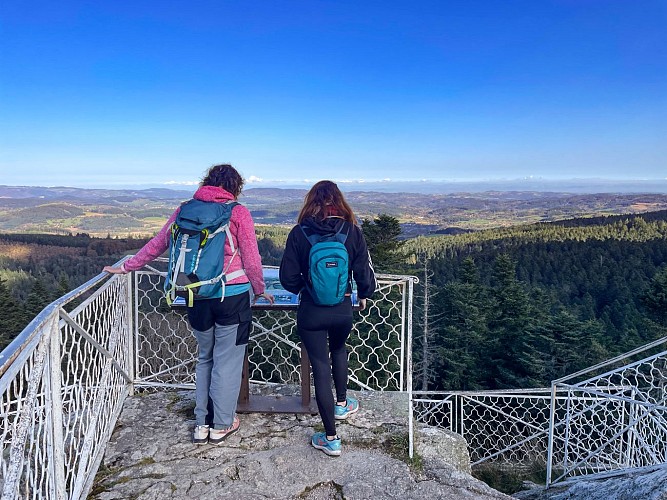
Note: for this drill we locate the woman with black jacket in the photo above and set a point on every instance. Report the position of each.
(323, 329)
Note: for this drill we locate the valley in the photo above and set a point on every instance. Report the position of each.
(140, 213)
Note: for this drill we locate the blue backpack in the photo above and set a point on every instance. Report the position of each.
(328, 273)
(196, 254)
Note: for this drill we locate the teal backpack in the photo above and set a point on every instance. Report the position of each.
(328, 273)
(196, 254)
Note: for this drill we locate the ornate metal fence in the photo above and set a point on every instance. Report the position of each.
(507, 428)
(63, 382)
(378, 345)
(605, 420)
(615, 417)
(65, 377)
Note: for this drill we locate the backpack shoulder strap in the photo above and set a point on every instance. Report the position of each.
(313, 238)
(340, 236)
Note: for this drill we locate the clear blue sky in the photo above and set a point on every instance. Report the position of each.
(103, 93)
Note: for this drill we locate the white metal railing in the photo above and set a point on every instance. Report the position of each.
(508, 428)
(608, 419)
(165, 351)
(65, 377)
(63, 382)
(615, 417)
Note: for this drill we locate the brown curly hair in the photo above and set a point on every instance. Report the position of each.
(226, 177)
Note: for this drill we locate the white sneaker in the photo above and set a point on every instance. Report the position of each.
(200, 435)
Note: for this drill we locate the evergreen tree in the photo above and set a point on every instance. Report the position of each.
(38, 298)
(515, 362)
(382, 235)
(63, 286)
(571, 344)
(426, 349)
(464, 335)
(13, 318)
(655, 298)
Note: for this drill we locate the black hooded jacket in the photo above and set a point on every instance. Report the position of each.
(294, 265)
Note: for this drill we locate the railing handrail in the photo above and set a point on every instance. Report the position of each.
(612, 361)
(14, 348)
(39, 368)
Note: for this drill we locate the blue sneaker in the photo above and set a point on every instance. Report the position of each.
(342, 412)
(320, 441)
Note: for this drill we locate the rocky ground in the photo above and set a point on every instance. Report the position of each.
(640, 485)
(150, 456)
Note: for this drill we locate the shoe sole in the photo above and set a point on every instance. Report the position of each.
(199, 441)
(331, 453)
(220, 440)
(344, 417)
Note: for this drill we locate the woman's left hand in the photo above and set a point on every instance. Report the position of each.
(266, 296)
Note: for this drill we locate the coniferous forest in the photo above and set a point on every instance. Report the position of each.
(519, 307)
(35, 269)
(507, 308)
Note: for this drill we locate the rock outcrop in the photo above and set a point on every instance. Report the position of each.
(640, 485)
(150, 456)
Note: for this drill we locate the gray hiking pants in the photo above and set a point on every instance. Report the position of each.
(218, 373)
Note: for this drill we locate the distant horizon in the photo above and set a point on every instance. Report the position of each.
(575, 185)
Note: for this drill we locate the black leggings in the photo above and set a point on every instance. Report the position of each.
(323, 331)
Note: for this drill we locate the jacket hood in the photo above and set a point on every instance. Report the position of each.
(213, 193)
(328, 225)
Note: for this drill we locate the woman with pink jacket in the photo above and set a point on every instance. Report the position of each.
(222, 327)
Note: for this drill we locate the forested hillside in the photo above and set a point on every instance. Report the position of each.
(508, 307)
(518, 307)
(35, 269)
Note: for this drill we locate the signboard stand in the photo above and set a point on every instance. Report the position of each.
(278, 403)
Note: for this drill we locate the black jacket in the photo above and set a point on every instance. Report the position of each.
(294, 265)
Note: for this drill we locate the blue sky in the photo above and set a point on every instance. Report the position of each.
(120, 93)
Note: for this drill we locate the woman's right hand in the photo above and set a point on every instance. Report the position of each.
(114, 270)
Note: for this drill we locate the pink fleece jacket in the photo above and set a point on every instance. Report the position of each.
(242, 228)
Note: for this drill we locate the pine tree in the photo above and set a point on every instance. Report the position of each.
(63, 286)
(655, 298)
(38, 298)
(13, 318)
(382, 235)
(464, 346)
(516, 362)
(425, 357)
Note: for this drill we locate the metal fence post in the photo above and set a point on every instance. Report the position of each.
(55, 404)
(552, 417)
(131, 335)
(408, 371)
(23, 422)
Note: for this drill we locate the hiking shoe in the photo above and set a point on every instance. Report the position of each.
(320, 441)
(342, 412)
(200, 435)
(217, 436)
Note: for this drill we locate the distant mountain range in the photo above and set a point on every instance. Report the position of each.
(143, 211)
(576, 185)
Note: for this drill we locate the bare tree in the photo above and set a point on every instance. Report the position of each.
(424, 368)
